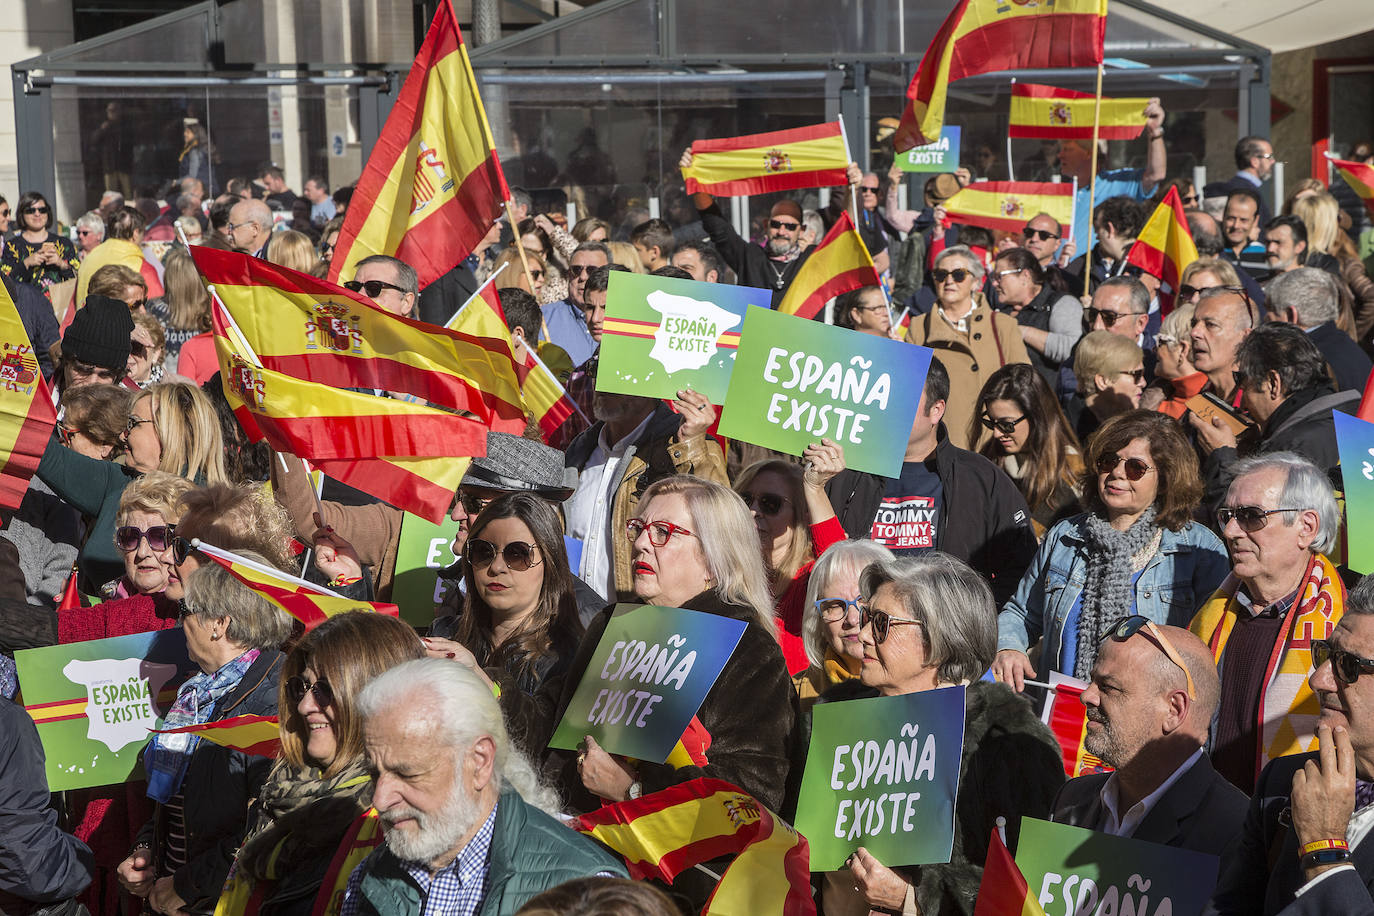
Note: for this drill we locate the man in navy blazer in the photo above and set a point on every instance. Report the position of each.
(1305, 846)
(1148, 717)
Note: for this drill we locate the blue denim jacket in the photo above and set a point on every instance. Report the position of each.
(1183, 573)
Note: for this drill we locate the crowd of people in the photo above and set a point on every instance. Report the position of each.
(1105, 479)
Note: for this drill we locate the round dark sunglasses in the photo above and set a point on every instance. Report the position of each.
(768, 503)
(1004, 425)
(883, 622)
(958, 273)
(127, 537)
(297, 688)
(1135, 468)
(1346, 666)
(518, 555)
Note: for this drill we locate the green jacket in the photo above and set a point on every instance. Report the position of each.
(93, 488)
(530, 853)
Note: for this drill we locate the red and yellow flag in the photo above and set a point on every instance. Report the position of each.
(666, 832)
(27, 416)
(304, 327)
(1049, 113)
(545, 396)
(1004, 890)
(1069, 722)
(258, 736)
(984, 36)
(839, 264)
(311, 604)
(780, 160)
(1359, 176)
(1007, 205)
(433, 186)
(1164, 248)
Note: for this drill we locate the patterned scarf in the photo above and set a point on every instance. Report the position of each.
(1107, 595)
(168, 755)
(301, 815)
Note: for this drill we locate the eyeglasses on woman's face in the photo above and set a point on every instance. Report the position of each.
(769, 504)
(1004, 425)
(833, 610)
(517, 555)
(659, 532)
(127, 537)
(883, 622)
(297, 687)
(1135, 468)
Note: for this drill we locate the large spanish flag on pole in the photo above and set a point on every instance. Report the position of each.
(984, 36)
(693, 822)
(1048, 113)
(1006, 205)
(1164, 248)
(1004, 890)
(433, 186)
(1359, 176)
(27, 415)
(781, 160)
(304, 327)
(840, 263)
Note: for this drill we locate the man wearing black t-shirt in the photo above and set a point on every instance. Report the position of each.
(945, 499)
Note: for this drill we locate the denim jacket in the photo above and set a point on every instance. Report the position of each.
(1182, 574)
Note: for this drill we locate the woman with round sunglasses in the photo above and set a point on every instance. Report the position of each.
(796, 523)
(1136, 551)
(320, 783)
(1110, 370)
(1177, 380)
(927, 623)
(831, 624)
(1029, 438)
(519, 618)
(202, 790)
(971, 340)
(34, 254)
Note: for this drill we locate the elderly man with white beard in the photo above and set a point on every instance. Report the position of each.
(468, 828)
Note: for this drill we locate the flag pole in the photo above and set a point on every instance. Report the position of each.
(853, 197)
(234, 326)
(1011, 174)
(230, 557)
(553, 378)
(1092, 185)
(468, 301)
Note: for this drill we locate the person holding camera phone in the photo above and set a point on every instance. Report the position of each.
(33, 253)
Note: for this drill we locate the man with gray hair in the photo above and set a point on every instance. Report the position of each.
(250, 227)
(1150, 703)
(387, 281)
(1279, 520)
(90, 232)
(469, 829)
(1311, 299)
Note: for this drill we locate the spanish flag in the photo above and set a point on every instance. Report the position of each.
(662, 834)
(1069, 722)
(984, 36)
(27, 416)
(1007, 205)
(433, 186)
(311, 604)
(1164, 248)
(1047, 113)
(1004, 891)
(840, 263)
(257, 736)
(1359, 176)
(303, 327)
(781, 160)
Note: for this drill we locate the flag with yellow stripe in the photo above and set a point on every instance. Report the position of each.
(257, 736)
(27, 415)
(433, 186)
(667, 832)
(1007, 205)
(1003, 890)
(780, 160)
(985, 36)
(1165, 247)
(1050, 113)
(840, 263)
(1360, 178)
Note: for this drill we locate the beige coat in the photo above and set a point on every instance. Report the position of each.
(992, 340)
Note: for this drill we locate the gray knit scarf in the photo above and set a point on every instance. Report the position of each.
(1107, 587)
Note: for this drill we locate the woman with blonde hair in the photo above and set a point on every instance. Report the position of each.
(233, 517)
(292, 250)
(1204, 273)
(1326, 239)
(1176, 378)
(591, 229)
(1304, 187)
(1110, 370)
(509, 271)
(624, 254)
(122, 283)
(147, 351)
(184, 311)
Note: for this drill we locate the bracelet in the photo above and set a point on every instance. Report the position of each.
(344, 580)
(1317, 845)
(1158, 136)
(1325, 857)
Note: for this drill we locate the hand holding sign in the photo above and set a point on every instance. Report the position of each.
(696, 412)
(880, 885)
(604, 775)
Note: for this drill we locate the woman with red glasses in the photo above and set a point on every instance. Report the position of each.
(1136, 550)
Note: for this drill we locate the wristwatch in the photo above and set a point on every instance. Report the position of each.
(1325, 857)
(636, 789)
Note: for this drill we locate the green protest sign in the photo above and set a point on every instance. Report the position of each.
(1077, 872)
(797, 380)
(941, 155)
(649, 675)
(883, 773)
(424, 548)
(662, 335)
(95, 702)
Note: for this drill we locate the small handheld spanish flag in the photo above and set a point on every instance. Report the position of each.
(1359, 176)
(258, 736)
(839, 264)
(1004, 891)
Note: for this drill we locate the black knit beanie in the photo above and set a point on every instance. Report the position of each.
(99, 334)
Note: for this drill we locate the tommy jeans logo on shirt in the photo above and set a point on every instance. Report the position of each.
(905, 523)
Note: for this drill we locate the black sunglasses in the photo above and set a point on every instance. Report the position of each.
(1108, 318)
(883, 622)
(297, 688)
(1250, 518)
(474, 503)
(1004, 425)
(779, 224)
(127, 537)
(373, 288)
(868, 188)
(1127, 627)
(939, 274)
(1137, 375)
(1135, 468)
(576, 270)
(768, 503)
(35, 209)
(181, 549)
(1043, 235)
(518, 555)
(1346, 666)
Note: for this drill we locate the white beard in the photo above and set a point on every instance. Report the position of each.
(433, 834)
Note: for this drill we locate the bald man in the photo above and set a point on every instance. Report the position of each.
(1150, 704)
(250, 226)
